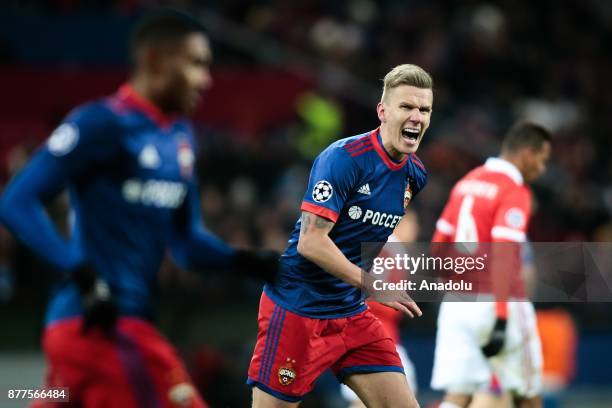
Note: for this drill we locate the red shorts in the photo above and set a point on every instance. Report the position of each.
(137, 368)
(292, 351)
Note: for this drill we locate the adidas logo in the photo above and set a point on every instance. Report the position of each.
(365, 189)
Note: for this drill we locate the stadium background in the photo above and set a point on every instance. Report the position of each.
(289, 78)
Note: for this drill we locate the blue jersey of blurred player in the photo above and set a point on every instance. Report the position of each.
(314, 316)
(128, 162)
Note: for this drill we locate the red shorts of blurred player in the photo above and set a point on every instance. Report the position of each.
(292, 351)
(135, 368)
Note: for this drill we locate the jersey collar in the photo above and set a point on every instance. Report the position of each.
(392, 165)
(128, 94)
(499, 165)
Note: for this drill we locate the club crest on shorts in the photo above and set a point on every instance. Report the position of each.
(407, 195)
(182, 395)
(322, 191)
(286, 373)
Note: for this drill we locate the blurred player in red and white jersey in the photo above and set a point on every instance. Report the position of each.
(475, 340)
(406, 231)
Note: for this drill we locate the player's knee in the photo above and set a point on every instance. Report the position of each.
(413, 401)
(384, 390)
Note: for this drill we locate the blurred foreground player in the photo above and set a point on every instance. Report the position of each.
(314, 316)
(478, 339)
(405, 232)
(127, 161)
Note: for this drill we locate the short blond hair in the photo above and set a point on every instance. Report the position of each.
(406, 74)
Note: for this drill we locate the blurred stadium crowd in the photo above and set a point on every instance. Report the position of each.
(491, 61)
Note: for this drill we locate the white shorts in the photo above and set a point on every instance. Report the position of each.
(459, 365)
(349, 395)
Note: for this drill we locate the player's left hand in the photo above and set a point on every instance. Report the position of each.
(261, 264)
(399, 300)
(404, 304)
(497, 339)
(99, 310)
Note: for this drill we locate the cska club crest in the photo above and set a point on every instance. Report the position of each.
(185, 158)
(407, 195)
(286, 374)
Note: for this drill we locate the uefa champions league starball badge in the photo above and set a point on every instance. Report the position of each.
(322, 191)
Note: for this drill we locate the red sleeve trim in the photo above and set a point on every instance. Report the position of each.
(320, 211)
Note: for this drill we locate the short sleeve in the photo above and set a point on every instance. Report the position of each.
(445, 229)
(333, 176)
(418, 176)
(78, 144)
(88, 135)
(512, 216)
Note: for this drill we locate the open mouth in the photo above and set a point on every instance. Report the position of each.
(410, 134)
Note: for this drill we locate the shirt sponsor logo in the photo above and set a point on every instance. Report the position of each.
(63, 139)
(355, 212)
(382, 219)
(322, 191)
(154, 193)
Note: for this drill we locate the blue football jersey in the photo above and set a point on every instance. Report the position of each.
(355, 184)
(130, 172)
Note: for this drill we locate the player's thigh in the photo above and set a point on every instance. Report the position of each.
(409, 369)
(350, 396)
(106, 395)
(156, 366)
(519, 367)
(262, 399)
(458, 399)
(292, 351)
(488, 400)
(459, 364)
(69, 356)
(354, 401)
(382, 390)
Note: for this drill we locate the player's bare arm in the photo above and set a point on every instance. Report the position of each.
(315, 245)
